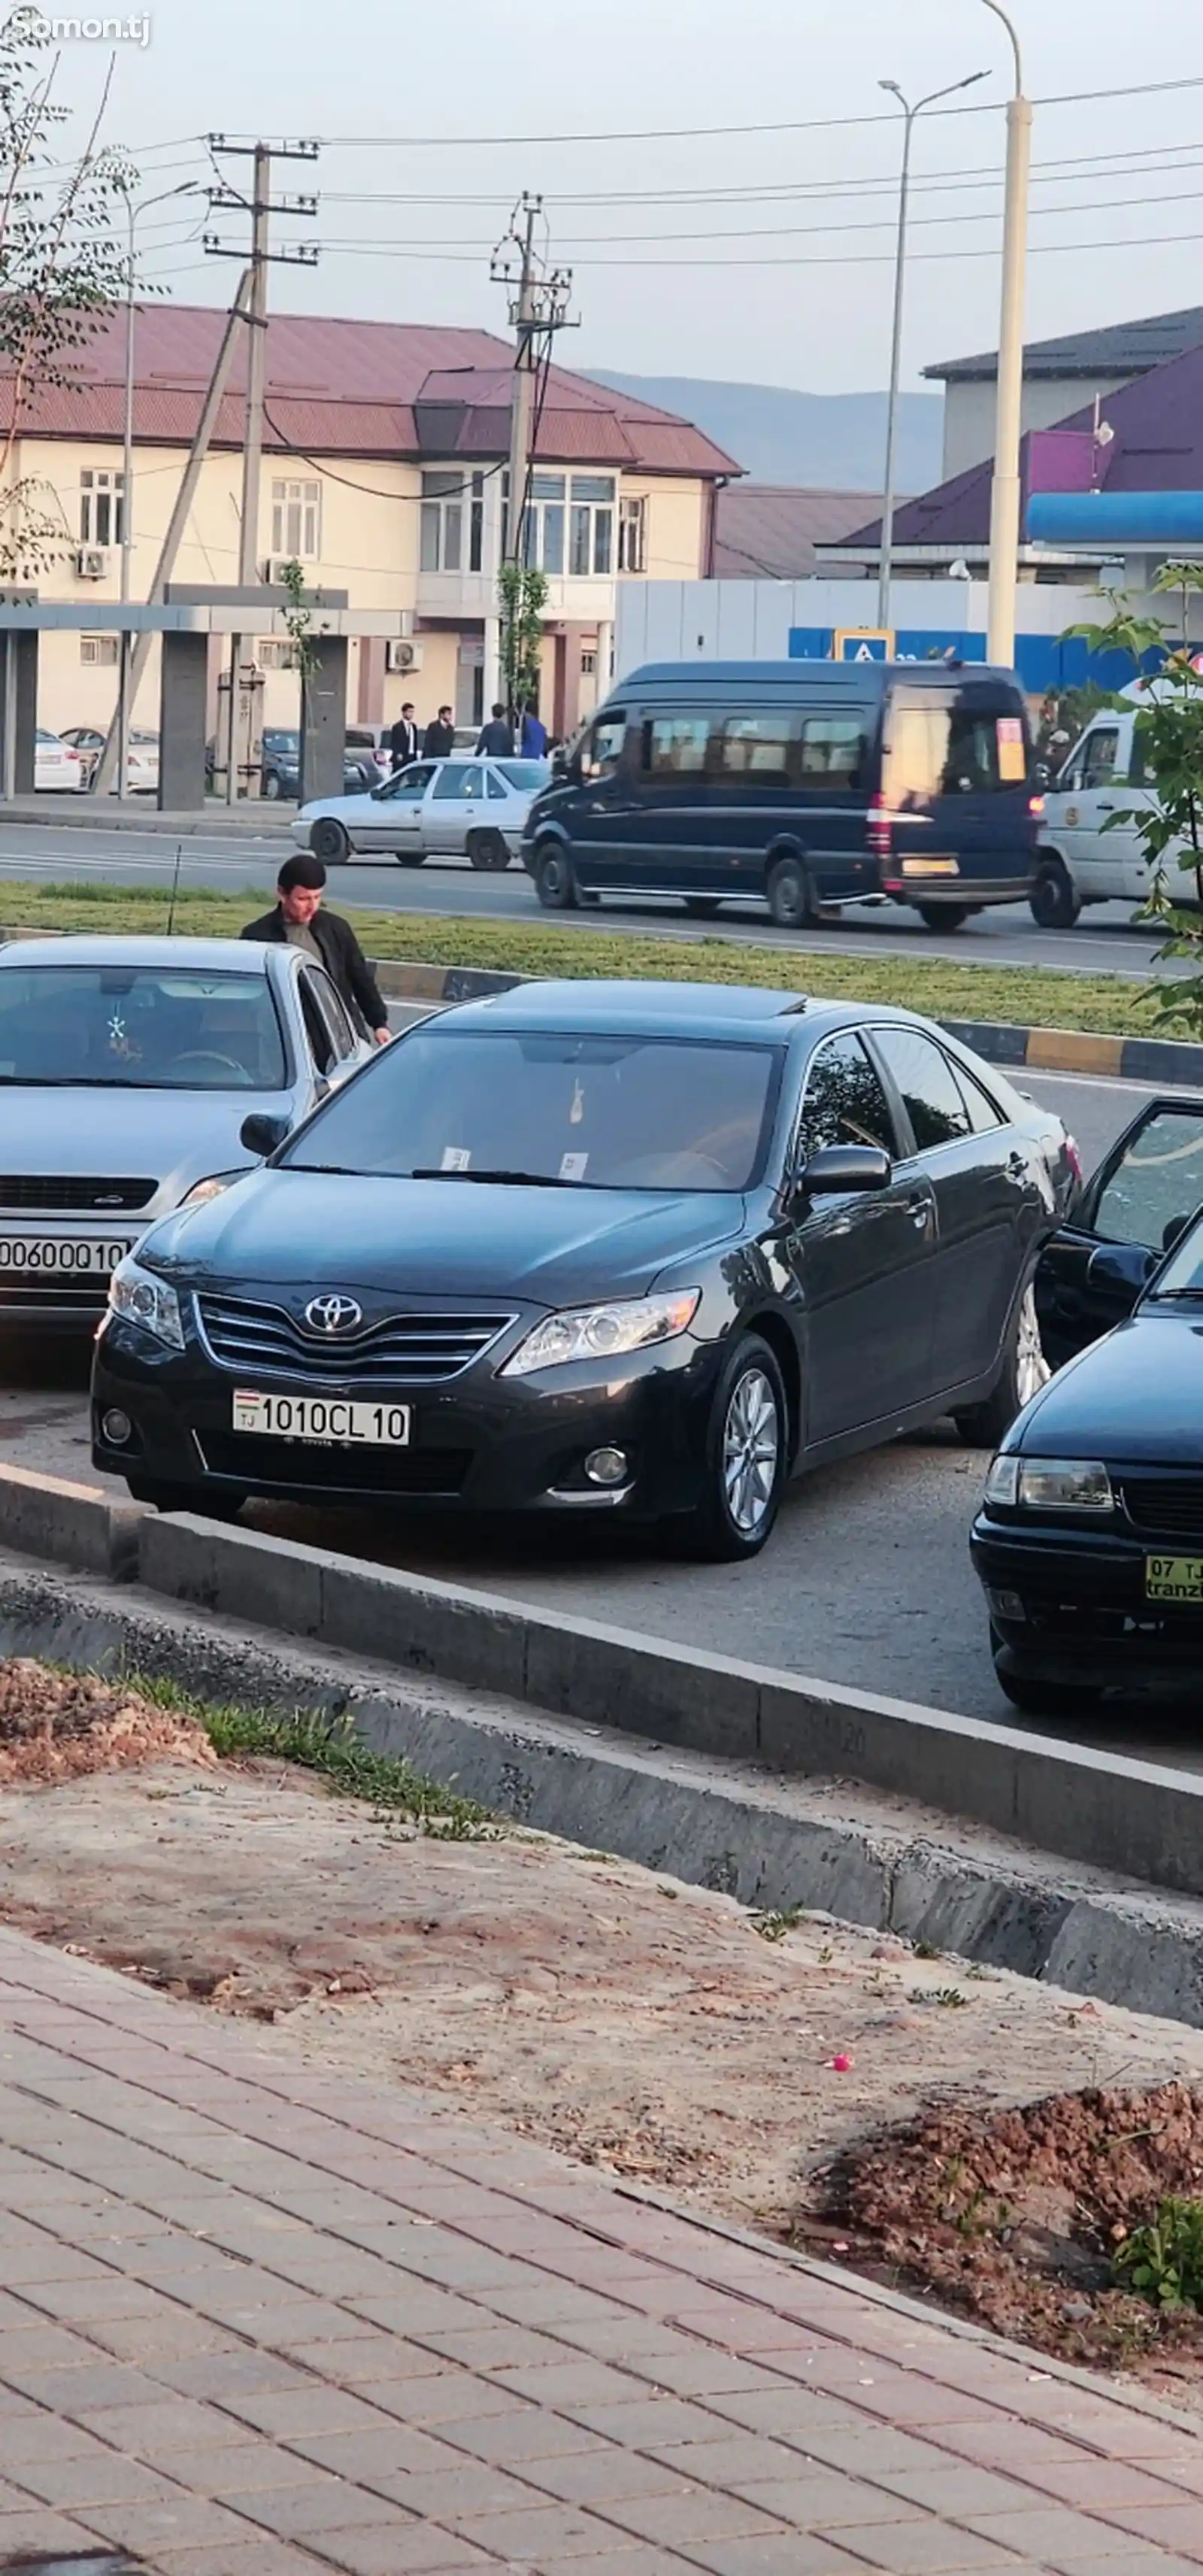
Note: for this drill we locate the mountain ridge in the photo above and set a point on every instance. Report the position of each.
(782, 435)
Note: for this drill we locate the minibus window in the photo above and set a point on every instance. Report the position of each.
(601, 750)
(675, 745)
(755, 747)
(833, 751)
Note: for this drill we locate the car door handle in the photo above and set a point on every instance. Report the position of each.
(920, 1212)
(1105, 807)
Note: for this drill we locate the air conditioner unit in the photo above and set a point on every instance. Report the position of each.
(92, 562)
(401, 655)
(275, 569)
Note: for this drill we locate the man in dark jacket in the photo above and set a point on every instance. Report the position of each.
(299, 922)
(403, 740)
(497, 737)
(439, 742)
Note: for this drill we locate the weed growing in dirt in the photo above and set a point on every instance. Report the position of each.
(1164, 2259)
(950, 1997)
(774, 1925)
(329, 1745)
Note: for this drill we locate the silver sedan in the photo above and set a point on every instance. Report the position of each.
(128, 1070)
(472, 808)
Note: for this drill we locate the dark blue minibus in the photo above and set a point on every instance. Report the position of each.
(799, 785)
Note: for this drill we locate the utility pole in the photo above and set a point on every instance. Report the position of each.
(303, 255)
(538, 309)
(1008, 430)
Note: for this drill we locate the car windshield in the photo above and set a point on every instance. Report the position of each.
(278, 738)
(141, 1028)
(525, 773)
(619, 1113)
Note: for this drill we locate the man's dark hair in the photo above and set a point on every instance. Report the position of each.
(444, 711)
(408, 708)
(303, 870)
(498, 710)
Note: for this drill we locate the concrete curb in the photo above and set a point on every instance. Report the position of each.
(1106, 1812)
(1143, 1060)
(885, 1864)
(87, 814)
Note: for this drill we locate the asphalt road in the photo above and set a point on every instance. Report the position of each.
(1104, 941)
(867, 1580)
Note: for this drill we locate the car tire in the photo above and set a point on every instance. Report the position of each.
(555, 878)
(1041, 1698)
(1024, 1371)
(488, 850)
(701, 907)
(184, 1498)
(747, 1444)
(328, 841)
(791, 895)
(271, 785)
(411, 858)
(946, 916)
(1054, 902)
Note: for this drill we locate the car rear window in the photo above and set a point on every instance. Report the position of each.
(600, 1112)
(971, 743)
(142, 1028)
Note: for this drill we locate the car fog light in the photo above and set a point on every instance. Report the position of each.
(606, 1466)
(116, 1426)
(1007, 1605)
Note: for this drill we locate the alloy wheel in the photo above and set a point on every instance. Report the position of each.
(751, 1451)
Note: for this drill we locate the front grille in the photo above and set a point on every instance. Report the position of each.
(403, 1350)
(73, 1194)
(1165, 1506)
(323, 1469)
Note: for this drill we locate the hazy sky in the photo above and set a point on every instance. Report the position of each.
(772, 307)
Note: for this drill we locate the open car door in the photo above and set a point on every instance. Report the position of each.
(1136, 1204)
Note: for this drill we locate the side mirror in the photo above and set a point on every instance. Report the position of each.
(838, 1168)
(1042, 774)
(260, 1134)
(559, 761)
(1117, 1272)
(1173, 1232)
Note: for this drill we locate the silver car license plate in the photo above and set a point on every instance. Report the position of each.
(62, 1256)
(322, 1417)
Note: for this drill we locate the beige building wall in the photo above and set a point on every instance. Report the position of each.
(675, 515)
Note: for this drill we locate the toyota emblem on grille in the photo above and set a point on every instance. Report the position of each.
(333, 1313)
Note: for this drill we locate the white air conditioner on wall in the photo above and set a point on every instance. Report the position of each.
(275, 569)
(91, 562)
(401, 655)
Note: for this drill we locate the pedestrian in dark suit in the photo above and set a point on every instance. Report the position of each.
(403, 740)
(299, 922)
(497, 737)
(440, 736)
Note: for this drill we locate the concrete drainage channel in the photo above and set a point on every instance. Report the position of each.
(1015, 1850)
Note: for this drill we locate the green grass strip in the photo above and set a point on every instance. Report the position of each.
(1030, 997)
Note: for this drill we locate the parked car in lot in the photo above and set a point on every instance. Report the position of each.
(127, 1068)
(1090, 1538)
(589, 1247)
(473, 809)
(56, 764)
(142, 769)
(796, 785)
(1086, 853)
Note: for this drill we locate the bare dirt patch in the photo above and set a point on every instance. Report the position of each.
(59, 1726)
(823, 2085)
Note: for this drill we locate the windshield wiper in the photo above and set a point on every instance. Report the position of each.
(343, 1171)
(1175, 1296)
(527, 1180)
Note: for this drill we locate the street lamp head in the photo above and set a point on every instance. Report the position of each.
(972, 79)
(890, 85)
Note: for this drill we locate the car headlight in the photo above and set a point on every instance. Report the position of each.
(210, 1189)
(1049, 1484)
(139, 1297)
(602, 1332)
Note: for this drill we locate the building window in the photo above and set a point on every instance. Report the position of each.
(297, 520)
(275, 653)
(632, 536)
(98, 651)
(452, 519)
(101, 507)
(588, 665)
(591, 539)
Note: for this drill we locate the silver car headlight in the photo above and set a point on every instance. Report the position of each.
(140, 1297)
(1049, 1484)
(602, 1332)
(210, 1189)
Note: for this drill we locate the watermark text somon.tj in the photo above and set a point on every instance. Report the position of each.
(99, 31)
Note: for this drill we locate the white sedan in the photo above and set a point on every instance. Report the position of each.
(56, 765)
(472, 808)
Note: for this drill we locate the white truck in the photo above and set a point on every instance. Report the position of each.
(1080, 861)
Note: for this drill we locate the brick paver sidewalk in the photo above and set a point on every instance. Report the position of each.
(261, 2322)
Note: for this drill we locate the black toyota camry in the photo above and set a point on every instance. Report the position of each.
(588, 1247)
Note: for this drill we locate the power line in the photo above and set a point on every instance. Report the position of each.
(1045, 174)
(478, 142)
(808, 259)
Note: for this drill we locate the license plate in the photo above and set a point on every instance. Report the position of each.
(1174, 1578)
(43, 1255)
(325, 1418)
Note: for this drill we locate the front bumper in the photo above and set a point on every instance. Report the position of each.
(1069, 1604)
(480, 1442)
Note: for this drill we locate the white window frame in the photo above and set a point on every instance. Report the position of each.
(101, 505)
(451, 535)
(99, 652)
(632, 533)
(297, 518)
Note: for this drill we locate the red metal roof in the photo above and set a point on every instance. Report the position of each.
(349, 389)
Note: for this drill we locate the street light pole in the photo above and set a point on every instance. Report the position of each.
(1008, 430)
(910, 113)
(186, 189)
